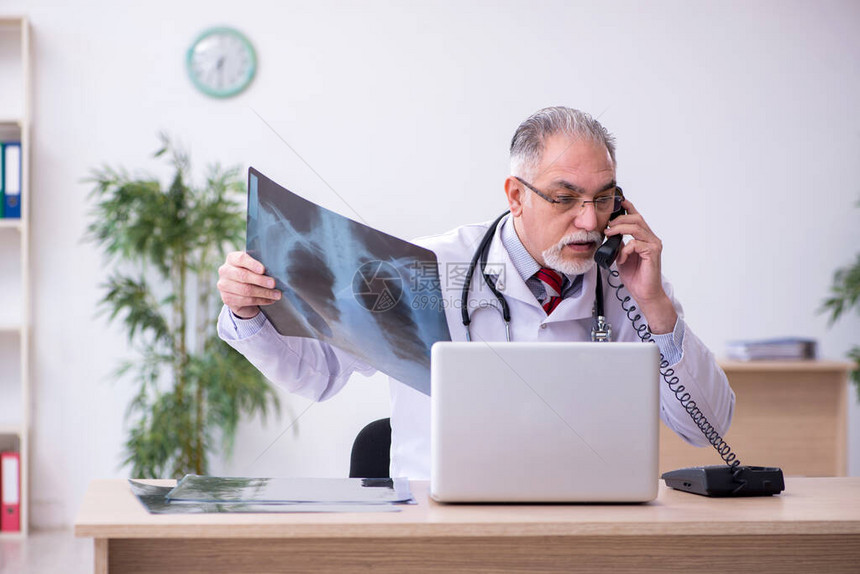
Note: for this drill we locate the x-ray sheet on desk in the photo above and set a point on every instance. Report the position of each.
(345, 283)
(193, 487)
(154, 500)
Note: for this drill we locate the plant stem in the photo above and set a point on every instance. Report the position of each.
(181, 356)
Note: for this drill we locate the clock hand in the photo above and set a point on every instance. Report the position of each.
(219, 66)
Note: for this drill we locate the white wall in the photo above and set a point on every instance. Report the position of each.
(738, 138)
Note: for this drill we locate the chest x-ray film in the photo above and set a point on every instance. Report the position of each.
(345, 283)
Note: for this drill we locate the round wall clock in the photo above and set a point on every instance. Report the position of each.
(221, 62)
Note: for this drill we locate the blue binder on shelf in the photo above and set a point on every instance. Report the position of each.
(2, 180)
(12, 180)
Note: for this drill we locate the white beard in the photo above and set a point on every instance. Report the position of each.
(554, 259)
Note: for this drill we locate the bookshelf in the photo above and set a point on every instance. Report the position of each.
(15, 260)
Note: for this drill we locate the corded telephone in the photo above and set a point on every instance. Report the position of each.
(607, 253)
(731, 480)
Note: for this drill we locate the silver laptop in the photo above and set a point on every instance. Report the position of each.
(544, 422)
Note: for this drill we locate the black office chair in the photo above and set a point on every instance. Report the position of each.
(371, 451)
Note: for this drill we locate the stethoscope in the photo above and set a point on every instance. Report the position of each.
(601, 330)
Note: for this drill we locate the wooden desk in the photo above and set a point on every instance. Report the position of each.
(790, 414)
(813, 527)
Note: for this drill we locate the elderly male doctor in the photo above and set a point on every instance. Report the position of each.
(561, 192)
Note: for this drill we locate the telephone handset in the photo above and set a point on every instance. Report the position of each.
(732, 480)
(607, 253)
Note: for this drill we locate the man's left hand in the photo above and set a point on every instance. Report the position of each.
(639, 267)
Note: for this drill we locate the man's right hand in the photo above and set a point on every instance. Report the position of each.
(243, 286)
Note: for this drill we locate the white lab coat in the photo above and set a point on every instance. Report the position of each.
(316, 370)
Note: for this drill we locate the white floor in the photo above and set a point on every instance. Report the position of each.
(46, 552)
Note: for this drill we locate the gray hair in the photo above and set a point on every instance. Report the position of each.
(528, 142)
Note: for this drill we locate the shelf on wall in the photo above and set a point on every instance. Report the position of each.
(11, 224)
(10, 429)
(12, 535)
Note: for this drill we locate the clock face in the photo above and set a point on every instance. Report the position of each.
(221, 62)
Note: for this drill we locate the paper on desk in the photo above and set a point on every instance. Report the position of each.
(298, 490)
(154, 500)
(364, 291)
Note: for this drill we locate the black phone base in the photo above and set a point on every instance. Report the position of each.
(724, 480)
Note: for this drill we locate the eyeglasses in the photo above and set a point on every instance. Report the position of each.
(603, 204)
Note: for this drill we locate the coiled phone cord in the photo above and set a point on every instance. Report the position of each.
(668, 373)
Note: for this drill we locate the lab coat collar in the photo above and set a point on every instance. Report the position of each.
(511, 285)
(509, 282)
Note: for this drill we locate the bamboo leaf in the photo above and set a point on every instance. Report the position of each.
(133, 299)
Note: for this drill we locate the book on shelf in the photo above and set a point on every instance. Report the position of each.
(779, 349)
(10, 156)
(10, 492)
(2, 180)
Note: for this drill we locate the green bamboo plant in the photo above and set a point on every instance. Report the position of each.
(845, 295)
(164, 245)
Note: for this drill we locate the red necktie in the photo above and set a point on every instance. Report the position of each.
(552, 283)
